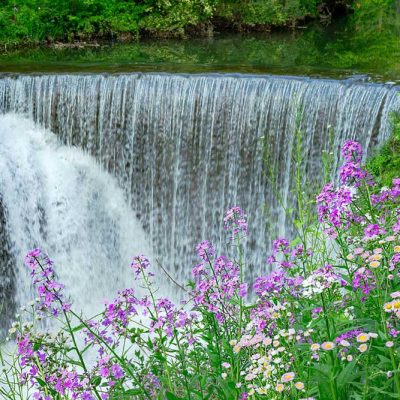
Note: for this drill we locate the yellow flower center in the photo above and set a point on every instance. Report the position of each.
(374, 264)
(388, 306)
(362, 348)
(362, 337)
(299, 385)
(279, 387)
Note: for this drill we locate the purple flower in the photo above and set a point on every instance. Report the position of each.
(286, 264)
(151, 384)
(87, 396)
(117, 315)
(333, 206)
(393, 332)
(40, 396)
(205, 250)
(273, 283)
(199, 270)
(104, 372)
(364, 279)
(35, 253)
(243, 288)
(235, 221)
(316, 311)
(25, 350)
(140, 263)
(298, 251)
(394, 262)
(373, 230)
(352, 173)
(215, 285)
(50, 292)
(352, 151)
(396, 226)
(349, 335)
(117, 371)
(281, 245)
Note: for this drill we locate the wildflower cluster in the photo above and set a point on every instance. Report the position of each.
(50, 292)
(323, 324)
(235, 221)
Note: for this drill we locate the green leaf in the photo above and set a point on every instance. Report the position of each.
(41, 382)
(96, 380)
(171, 396)
(79, 328)
(133, 392)
(348, 374)
(390, 394)
(227, 389)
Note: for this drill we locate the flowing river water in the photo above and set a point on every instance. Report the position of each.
(96, 168)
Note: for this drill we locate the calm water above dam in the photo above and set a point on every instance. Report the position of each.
(319, 52)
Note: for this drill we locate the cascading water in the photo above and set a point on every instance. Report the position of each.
(59, 199)
(184, 148)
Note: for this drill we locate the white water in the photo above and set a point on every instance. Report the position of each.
(58, 198)
(183, 148)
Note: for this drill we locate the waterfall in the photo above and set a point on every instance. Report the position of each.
(58, 198)
(184, 148)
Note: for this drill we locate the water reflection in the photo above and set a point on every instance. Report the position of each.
(347, 48)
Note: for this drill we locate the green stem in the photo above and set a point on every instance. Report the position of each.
(240, 302)
(71, 332)
(164, 349)
(326, 317)
(7, 379)
(365, 395)
(182, 359)
(120, 359)
(383, 322)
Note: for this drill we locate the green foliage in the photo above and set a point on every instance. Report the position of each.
(34, 20)
(259, 12)
(166, 15)
(323, 325)
(385, 165)
(31, 21)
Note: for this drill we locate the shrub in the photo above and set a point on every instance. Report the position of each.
(385, 164)
(31, 21)
(323, 324)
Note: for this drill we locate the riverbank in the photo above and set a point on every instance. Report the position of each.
(43, 22)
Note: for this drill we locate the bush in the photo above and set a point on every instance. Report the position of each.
(35, 20)
(258, 12)
(175, 16)
(31, 21)
(385, 165)
(324, 324)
